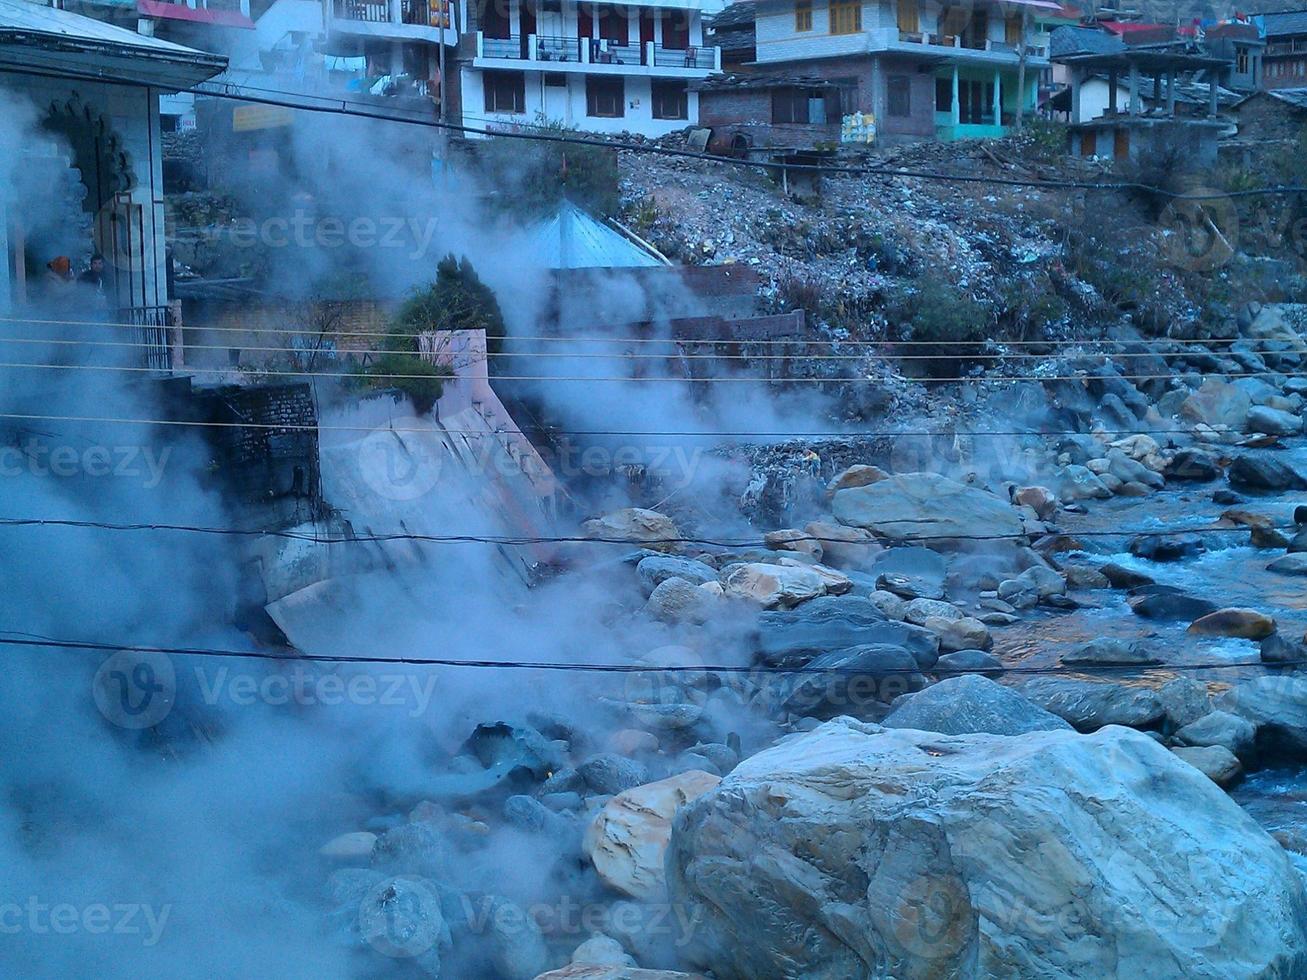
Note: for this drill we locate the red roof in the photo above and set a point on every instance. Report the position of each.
(200, 15)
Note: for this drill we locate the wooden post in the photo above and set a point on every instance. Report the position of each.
(1021, 68)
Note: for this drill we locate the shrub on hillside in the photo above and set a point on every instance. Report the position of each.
(936, 319)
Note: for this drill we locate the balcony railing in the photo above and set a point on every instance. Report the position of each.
(971, 44)
(1296, 46)
(153, 327)
(366, 11)
(425, 13)
(554, 49)
(691, 57)
(551, 48)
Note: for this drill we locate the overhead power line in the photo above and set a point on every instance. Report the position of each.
(20, 639)
(344, 107)
(526, 540)
(437, 428)
(661, 379)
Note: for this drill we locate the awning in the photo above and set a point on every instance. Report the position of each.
(199, 15)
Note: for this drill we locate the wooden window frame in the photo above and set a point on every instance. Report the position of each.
(592, 95)
(909, 17)
(898, 89)
(845, 17)
(663, 89)
(492, 93)
(802, 16)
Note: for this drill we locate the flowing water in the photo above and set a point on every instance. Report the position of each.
(1230, 572)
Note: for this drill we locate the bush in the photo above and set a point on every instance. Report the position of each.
(457, 300)
(421, 381)
(939, 320)
(534, 176)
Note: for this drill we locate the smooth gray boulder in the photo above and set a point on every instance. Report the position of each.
(1272, 421)
(971, 704)
(656, 569)
(1089, 705)
(920, 506)
(1220, 728)
(968, 661)
(1277, 705)
(855, 850)
(1109, 651)
(849, 681)
(821, 624)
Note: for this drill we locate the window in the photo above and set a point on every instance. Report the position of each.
(943, 95)
(909, 17)
(1241, 61)
(845, 16)
(676, 30)
(810, 106)
(900, 96)
(803, 15)
(555, 79)
(670, 100)
(952, 22)
(605, 97)
(505, 91)
(1012, 31)
(613, 25)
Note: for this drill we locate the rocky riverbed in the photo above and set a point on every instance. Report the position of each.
(1028, 707)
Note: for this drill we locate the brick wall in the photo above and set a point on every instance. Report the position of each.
(1264, 117)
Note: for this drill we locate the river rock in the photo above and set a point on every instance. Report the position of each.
(1039, 499)
(1107, 651)
(843, 545)
(608, 774)
(1085, 577)
(1124, 578)
(1166, 547)
(1246, 623)
(965, 633)
(1215, 762)
(628, 838)
(1217, 403)
(648, 527)
(1089, 705)
(922, 643)
(1259, 471)
(1220, 728)
(977, 661)
(856, 678)
(1184, 700)
(894, 607)
(915, 506)
(825, 623)
(352, 847)
(1193, 465)
(1277, 705)
(859, 851)
(601, 950)
(657, 569)
(1279, 649)
(1294, 563)
(792, 539)
(835, 582)
(1080, 483)
(1272, 421)
(677, 601)
(773, 585)
(970, 704)
(857, 475)
(1170, 605)
(920, 610)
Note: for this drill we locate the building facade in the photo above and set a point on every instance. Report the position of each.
(921, 68)
(596, 67)
(1284, 60)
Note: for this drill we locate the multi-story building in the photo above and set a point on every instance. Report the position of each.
(597, 67)
(922, 68)
(399, 43)
(1284, 60)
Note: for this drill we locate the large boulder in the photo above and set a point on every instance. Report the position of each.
(656, 569)
(1195, 465)
(1216, 762)
(1260, 471)
(628, 838)
(825, 623)
(1272, 421)
(1089, 705)
(926, 506)
(1277, 705)
(853, 680)
(1246, 623)
(773, 585)
(970, 704)
(841, 544)
(860, 851)
(1217, 403)
(635, 525)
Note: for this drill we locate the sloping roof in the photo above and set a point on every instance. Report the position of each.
(82, 45)
(1082, 40)
(744, 81)
(737, 14)
(1296, 97)
(573, 239)
(1285, 22)
(168, 10)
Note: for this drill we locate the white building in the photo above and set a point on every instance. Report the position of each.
(597, 67)
(83, 97)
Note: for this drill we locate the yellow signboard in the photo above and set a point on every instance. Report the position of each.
(247, 117)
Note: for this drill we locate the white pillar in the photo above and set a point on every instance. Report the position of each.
(998, 98)
(957, 109)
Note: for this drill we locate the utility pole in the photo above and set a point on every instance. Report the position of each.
(1021, 68)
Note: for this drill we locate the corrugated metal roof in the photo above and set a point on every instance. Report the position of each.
(23, 15)
(1296, 97)
(1082, 40)
(1285, 22)
(573, 239)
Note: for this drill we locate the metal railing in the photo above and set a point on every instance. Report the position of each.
(554, 48)
(691, 57)
(612, 53)
(367, 11)
(501, 47)
(153, 327)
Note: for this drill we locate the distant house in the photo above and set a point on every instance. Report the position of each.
(94, 92)
(780, 112)
(732, 31)
(1285, 56)
(1267, 122)
(1242, 47)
